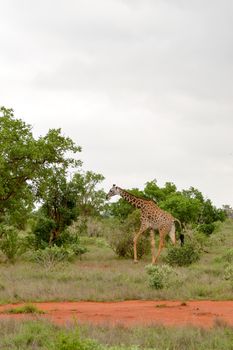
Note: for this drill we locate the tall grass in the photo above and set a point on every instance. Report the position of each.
(101, 276)
(43, 335)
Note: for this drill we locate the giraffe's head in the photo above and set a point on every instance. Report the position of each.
(113, 191)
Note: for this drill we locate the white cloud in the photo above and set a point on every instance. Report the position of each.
(144, 86)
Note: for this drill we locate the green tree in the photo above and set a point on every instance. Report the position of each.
(25, 162)
(154, 192)
(90, 199)
(187, 210)
(64, 201)
(59, 206)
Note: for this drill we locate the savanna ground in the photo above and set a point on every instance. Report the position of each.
(101, 276)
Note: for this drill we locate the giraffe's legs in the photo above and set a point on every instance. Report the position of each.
(141, 230)
(152, 238)
(172, 234)
(161, 245)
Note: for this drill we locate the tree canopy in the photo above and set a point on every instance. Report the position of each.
(26, 162)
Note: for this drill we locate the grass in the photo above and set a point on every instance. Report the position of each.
(41, 335)
(25, 309)
(101, 276)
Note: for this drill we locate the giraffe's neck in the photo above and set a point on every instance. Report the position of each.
(134, 200)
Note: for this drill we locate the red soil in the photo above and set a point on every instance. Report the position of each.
(128, 313)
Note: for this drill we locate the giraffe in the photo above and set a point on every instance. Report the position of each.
(152, 217)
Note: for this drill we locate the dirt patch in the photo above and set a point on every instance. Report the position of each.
(129, 313)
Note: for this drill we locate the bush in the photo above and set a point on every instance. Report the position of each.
(207, 229)
(11, 244)
(121, 239)
(228, 273)
(228, 257)
(183, 256)
(159, 275)
(50, 256)
(42, 230)
(72, 341)
(122, 244)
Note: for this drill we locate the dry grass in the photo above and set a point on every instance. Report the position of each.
(101, 276)
(40, 335)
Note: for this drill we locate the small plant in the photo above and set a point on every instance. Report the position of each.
(121, 243)
(72, 341)
(207, 229)
(25, 309)
(121, 240)
(10, 242)
(183, 256)
(159, 275)
(228, 257)
(228, 273)
(50, 256)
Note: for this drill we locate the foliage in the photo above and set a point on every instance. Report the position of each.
(122, 244)
(228, 256)
(228, 273)
(183, 256)
(26, 162)
(42, 231)
(208, 229)
(10, 242)
(25, 309)
(50, 256)
(121, 240)
(59, 207)
(102, 276)
(72, 341)
(157, 194)
(90, 200)
(64, 201)
(159, 275)
(95, 227)
(41, 335)
(187, 210)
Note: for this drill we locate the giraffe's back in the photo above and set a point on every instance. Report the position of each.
(156, 217)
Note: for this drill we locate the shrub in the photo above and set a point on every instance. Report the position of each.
(50, 256)
(159, 275)
(95, 227)
(183, 256)
(228, 257)
(121, 239)
(71, 241)
(41, 230)
(25, 309)
(10, 242)
(72, 341)
(121, 243)
(228, 273)
(207, 229)
(76, 248)
(67, 237)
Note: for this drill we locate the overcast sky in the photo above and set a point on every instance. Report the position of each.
(144, 86)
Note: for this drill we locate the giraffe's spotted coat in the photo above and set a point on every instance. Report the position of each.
(152, 217)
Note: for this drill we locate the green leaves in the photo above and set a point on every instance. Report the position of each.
(26, 162)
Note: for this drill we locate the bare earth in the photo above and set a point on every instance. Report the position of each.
(129, 313)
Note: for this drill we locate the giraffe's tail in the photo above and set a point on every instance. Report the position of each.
(181, 237)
